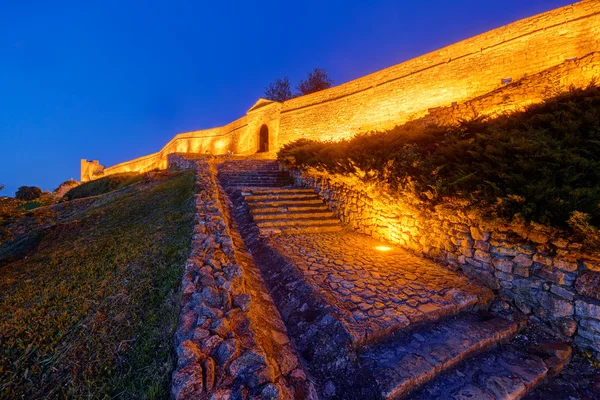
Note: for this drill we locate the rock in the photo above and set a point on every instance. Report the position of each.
(210, 343)
(209, 373)
(522, 260)
(279, 337)
(225, 351)
(187, 383)
(482, 256)
(553, 275)
(503, 265)
(564, 265)
(562, 292)
(591, 324)
(220, 327)
(521, 271)
(567, 326)
(248, 363)
(241, 301)
(478, 234)
(588, 284)
(188, 353)
(557, 306)
(584, 309)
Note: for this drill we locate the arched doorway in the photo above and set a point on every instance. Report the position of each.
(263, 139)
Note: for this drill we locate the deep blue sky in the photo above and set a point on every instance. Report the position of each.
(114, 80)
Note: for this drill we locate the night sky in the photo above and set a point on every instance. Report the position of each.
(114, 80)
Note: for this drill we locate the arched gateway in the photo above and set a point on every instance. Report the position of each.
(263, 139)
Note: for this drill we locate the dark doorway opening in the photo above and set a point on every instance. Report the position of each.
(263, 139)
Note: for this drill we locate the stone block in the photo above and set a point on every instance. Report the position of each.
(583, 309)
(557, 306)
(564, 265)
(478, 234)
(562, 292)
(521, 271)
(482, 245)
(588, 284)
(522, 260)
(503, 251)
(542, 259)
(503, 265)
(482, 256)
(591, 324)
(554, 275)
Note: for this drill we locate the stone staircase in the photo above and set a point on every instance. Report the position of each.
(276, 207)
(374, 325)
(253, 173)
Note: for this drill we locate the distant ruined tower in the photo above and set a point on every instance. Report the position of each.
(535, 57)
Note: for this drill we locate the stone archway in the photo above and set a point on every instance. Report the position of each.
(263, 139)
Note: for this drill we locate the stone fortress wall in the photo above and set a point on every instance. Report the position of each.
(443, 79)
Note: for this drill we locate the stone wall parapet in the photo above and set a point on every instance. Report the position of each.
(220, 345)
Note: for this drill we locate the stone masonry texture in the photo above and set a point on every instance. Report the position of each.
(231, 341)
(565, 40)
(547, 276)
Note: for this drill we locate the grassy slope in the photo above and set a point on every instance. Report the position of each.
(542, 164)
(103, 185)
(91, 311)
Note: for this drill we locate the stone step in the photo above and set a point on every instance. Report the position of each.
(288, 209)
(284, 203)
(255, 184)
(293, 230)
(291, 215)
(256, 173)
(282, 178)
(407, 360)
(508, 372)
(279, 190)
(281, 196)
(297, 222)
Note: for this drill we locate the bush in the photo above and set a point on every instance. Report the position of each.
(28, 193)
(103, 185)
(542, 164)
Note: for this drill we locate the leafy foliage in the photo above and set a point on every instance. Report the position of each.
(89, 305)
(279, 90)
(103, 185)
(28, 193)
(542, 164)
(316, 80)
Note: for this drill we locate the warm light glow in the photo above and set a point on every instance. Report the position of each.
(383, 248)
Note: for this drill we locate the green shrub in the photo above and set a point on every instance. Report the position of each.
(103, 185)
(28, 193)
(542, 164)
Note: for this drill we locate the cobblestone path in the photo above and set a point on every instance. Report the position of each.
(377, 291)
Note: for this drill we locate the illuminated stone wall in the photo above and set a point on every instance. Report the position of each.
(455, 74)
(548, 276)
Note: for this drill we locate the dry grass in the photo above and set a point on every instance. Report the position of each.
(89, 304)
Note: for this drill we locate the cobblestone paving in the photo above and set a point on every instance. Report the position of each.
(376, 291)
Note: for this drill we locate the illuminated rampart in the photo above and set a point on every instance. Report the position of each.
(448, 77)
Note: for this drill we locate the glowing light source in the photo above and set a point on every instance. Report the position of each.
(383, 248)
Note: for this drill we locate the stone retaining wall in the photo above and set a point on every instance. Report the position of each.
(230, 342)
(543, 272)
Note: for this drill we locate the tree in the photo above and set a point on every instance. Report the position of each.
(315, 81)
(279, 90)
(28, 193)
